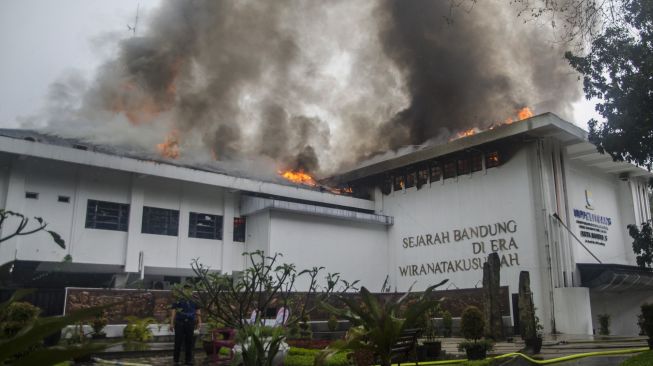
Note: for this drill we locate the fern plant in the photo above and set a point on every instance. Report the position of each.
(377, 326)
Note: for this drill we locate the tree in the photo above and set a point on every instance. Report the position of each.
(618, 71)
(642, 244)
(575, 21)
(22, 348)
(21, 228)
(230, 300)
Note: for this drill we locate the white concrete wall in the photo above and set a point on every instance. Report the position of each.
(572, 310)
(85, 245)
(358, 251)
(623, 308)
(609, 199)
(497, 195)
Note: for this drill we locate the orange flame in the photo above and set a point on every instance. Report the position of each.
(170, 147)
(521, 114)
(299, 177)
(468, 132)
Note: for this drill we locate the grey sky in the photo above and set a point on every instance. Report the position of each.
(43, 40)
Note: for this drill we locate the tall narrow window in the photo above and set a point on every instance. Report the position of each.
(204, 226)
(422, 176)
(160, 221)
(436, 171)
(107, 215)
(463, 166)
(386, 185)
(239, 229)
(411, 177)
(477, 162)
(450, 169)
(492, 159)
(399, 182)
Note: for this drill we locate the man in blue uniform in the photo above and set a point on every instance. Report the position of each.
(185, 318)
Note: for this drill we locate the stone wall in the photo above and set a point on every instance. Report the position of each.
(156, 303)
(139, 303)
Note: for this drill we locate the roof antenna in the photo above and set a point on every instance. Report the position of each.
(133, 28)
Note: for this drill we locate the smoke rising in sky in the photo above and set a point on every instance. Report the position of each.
(318, 86)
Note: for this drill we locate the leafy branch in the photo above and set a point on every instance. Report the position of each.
(21, 229)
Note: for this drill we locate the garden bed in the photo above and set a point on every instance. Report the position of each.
(309, 343)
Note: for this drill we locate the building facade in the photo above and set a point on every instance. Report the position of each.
(535, 191)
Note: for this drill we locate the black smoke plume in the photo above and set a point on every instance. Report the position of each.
(319, 86)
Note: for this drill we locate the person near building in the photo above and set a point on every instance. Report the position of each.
(283, 313)
(185, 318)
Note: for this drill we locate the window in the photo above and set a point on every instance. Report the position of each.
(205, 226)
(239, 229)
(411, 177)
(160, 221)
(463, 166)
(449, 169)
(422, 176)
(436, 171)
(64, 199)
(399, 182)
(386, 185)
(477, 162)
(492, 159)
(32, 195)
(107, 215)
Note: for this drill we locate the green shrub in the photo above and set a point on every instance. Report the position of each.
(306, 357)
(472, 323)
(138, 329)
(98, 323)
(17, 316)
(604, 324)
(447, 323)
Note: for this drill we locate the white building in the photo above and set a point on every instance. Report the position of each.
(432, 214)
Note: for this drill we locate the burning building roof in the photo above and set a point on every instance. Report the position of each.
(547, 124)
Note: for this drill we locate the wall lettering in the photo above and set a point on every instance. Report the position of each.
(482, 239)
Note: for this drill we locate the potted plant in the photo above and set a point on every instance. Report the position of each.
(647, 322)
(472, 327)
(604, 324)
(137, 332)
(332, 323)
(209, 337)
(98, 323)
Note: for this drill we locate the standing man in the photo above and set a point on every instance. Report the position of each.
(185, 318)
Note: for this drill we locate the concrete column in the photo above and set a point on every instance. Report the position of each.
(15, 201)
(231, 210)
(133, 246)
(184, 209)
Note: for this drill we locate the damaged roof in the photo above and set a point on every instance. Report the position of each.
(543, 125)
(136, 153)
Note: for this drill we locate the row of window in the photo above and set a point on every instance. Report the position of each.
(35, 196)
(161, 221)
(418, 175)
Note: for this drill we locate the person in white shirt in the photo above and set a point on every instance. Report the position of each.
(283, 313)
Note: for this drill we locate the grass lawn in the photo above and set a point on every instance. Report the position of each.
(642, 359)
(305, 357)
